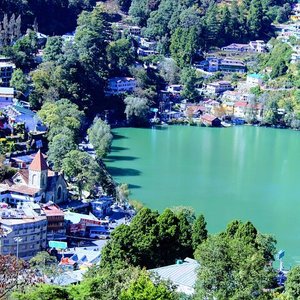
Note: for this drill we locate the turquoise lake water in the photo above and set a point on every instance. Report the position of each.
(246, 173)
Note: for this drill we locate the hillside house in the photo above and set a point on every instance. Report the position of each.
(6, 96)
(218, 87)
(254, 79)
(210, 120)
(120, 85)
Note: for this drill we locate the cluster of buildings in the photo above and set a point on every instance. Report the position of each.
(34, 209)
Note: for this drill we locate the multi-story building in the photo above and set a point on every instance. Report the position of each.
(218, 87)
(56, 229)
(6, 97)
(22, 231)
(227, 65)
(120, 85)
(6, 70)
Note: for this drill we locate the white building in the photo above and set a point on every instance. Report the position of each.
(120, 85)
(295, 58)
(6, 96)
(254, 79)
(22, 231)
(218, 87)
(145, 43)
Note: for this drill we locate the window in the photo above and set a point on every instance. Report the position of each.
(59, 193)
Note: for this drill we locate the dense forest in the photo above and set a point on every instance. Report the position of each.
(53, 17)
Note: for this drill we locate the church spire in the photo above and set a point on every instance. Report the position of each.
(39, 163)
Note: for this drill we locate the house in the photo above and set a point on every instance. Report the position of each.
(228, 65)
(254, 79)
(102, 207)
(240, 109)
(146, 52)
(210, 120)
(68, 37)
(17, 113)
(55, 222)
(295, 58)
(254, 46)
(146, 44)
(231, 96)
(6, 96)
(120, 85)
(194, 111)
(228, 107)
(183, 275)
(35, 184)
(236, 48)
(6, 70)
(295, 17)
(22, 231)
(258, 46)
(174, 88)
(134, 30)
(218, 87)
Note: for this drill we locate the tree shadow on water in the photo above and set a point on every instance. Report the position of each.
(115, 171)
(117, 149)
(111, 158)
(133, 186)
(117, 136)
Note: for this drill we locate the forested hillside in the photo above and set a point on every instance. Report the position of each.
(206, 23)
(52, 16)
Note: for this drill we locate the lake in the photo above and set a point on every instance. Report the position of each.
(246, 173)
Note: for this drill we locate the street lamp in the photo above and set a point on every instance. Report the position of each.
(18, 240)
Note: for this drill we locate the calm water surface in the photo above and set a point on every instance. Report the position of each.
(246, 173)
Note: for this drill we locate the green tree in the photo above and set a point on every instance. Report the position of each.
(199, 231)
(44, 263)
(143, 288)
(120, 55)
(61, 114)
(188, 78)
(235, 264)
(54, 49)
(59, 147)
(82, 169)
(44, 292)
(255, 18)
(19, 81)
(292, 285)
(136, 109)
(100, 137)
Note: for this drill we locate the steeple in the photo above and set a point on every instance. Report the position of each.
(38, 172)
(39, 163)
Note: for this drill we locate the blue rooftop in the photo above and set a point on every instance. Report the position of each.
(256, 76)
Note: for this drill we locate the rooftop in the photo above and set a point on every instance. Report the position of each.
(39, 163)
(183, 274)
(255, 75)
(52, 210)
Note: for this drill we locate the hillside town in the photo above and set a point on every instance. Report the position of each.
(60, 98)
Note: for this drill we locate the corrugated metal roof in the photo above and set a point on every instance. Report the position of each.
(180, 274)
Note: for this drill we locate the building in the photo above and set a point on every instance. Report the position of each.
(22, 232)
(254, 46)
(254, 79)
(210, 120)
(236, 48)
(227, 65)
(258, 46)
(240, 109)
(146, 52)
(146, 44)
(35, 184)
(56, 229)
(6, 96)
(120, 85)
(295, 58)
(102, 207)
(6, 70)
(183, 275)
(218, 87)
(174, 88)
(17, 113)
